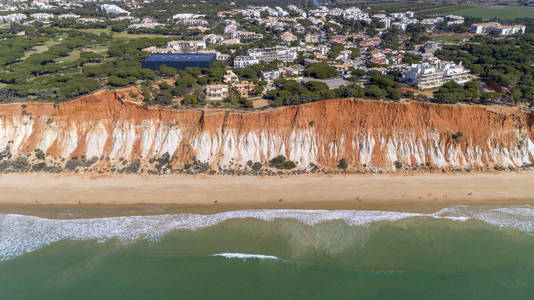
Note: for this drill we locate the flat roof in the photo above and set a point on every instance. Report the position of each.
(181, 57)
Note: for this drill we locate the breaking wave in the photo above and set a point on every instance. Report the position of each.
(245, 256)
(21, 234)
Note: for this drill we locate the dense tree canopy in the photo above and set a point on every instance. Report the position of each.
(320, 70)
(505, 62)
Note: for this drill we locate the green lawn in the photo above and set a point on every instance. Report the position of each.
(100, 49)
(41, 48)
(36, 49)
(73, 56)
(450, 38)
(500, 12)
(97, 49)
(124, 34)
(97, 30)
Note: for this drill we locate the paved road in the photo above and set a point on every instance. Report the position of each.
(332, 83)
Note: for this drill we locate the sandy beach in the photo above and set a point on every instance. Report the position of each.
(269, 192)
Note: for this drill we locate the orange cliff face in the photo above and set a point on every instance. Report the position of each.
(370, 135)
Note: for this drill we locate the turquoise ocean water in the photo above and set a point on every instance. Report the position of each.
(459, 252)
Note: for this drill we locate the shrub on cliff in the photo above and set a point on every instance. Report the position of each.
(20, 164)
(200, 167)
(256, 166)
(343, 164)
(39, 154)
(457, 136)
(277, 161)
(73, 163)
(499, 168)
(164, 159)
(39, 167)
(6, 153)
(280, 162)
(133, 167)
(162, 162)
(288, 165)
(4, 165)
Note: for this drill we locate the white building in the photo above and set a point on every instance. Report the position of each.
(434, 74)
(246, 35)
(323, 49)
(112, 9)
(230, 42)
(245, 61)
(41, 4)
(270, 75)
(285, 54)
(186, 16)
(454, 20)
(403, 15)
(402, 20)
(186, 46)
(281, 12)
(90, 20)
(68, 16)
(129, 19)
(288, 37)
(6, 7)
(222, 56)
(230, 28)
(336, 12)
(145, 25)
(301, 12)
(13, 18)
(42, 16)
(399, 26)
(193, 22)
(455, 72)
(216, 91)
(311, 38)
(218, 55)
(486, 28)
(344, 55)
(385, 22)
(321, 12)
(251, 13)
(354, 13)
(213, 38)
(230, 77)
(430, 24)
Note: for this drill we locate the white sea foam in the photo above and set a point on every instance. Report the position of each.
(515, 217)
(245, 256)
(21, 234)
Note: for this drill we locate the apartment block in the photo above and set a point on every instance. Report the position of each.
(494, 27)
(434, 74)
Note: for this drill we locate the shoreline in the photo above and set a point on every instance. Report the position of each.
(219, 193)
